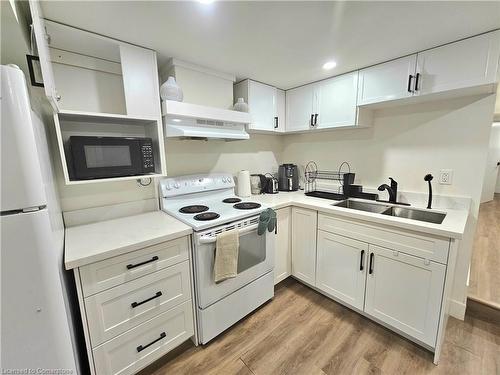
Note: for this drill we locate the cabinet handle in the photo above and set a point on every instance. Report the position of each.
(370, 270)
(361, 266)
(276, 122)
(130, 266)
(312, 119)
(135, 304)
(410, 77)
(140, 348)
(417, 77)
(315, 119)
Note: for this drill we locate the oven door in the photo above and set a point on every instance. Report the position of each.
(256, 258)
(101, 157)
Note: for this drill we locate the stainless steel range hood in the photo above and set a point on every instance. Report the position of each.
(185, 120)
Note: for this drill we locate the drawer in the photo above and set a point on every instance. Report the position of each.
(114, 271)
(423, 246)
(118, 309)
(140, 346)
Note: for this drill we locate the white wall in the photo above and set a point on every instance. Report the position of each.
(492, 177)
(406, 143)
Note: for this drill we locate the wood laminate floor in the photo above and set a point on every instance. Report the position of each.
(302, 332)
(484, 282)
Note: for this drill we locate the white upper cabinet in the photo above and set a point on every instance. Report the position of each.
(140, 81)
(262, 102)
(335, 101)
(42, 48)
(299, 108)
(341, 268)
(327, 104)
(469, 62)
(388, 81)
(281, 110)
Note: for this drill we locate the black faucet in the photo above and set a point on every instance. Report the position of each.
(428, 178)
(392, 190)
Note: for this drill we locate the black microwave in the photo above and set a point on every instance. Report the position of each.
(107, 157)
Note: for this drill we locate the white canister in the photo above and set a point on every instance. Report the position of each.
(244, 184)
(170, 90)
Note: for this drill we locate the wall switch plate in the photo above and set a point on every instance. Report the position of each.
(445, 176)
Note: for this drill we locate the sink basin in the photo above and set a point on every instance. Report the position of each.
(420, 215)
(363, 206)
(396, 211)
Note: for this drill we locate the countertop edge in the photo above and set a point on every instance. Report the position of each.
(93, 258)
(374, 220)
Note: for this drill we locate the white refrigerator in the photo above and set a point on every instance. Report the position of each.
(37, 329)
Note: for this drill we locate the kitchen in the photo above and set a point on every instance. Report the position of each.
(138, 263)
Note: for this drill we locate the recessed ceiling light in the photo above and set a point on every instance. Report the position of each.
(206, 1)
(329, 65)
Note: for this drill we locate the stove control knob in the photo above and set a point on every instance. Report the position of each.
(176, 185)
(168, 187)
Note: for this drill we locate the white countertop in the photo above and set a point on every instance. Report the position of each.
(85, 244)
(453, 225)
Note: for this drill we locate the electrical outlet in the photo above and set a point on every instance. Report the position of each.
(445, 176)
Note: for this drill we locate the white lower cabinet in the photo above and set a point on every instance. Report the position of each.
(128, 353)
(304, 228)
(283, 253)
(395, 276)
(341, 269)
(136, 307)
(405, 292)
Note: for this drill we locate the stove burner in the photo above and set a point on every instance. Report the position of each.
(205, 216)
(194, 209)
(246, 205)
(231, 200)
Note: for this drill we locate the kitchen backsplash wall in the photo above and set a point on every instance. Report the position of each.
(261, 154)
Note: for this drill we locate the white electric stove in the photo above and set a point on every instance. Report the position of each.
(209, 205)
(204, 201)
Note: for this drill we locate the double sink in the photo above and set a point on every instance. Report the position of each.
(396, 211)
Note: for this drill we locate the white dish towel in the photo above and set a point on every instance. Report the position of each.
(226, 255)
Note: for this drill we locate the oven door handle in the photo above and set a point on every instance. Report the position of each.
(250, 228)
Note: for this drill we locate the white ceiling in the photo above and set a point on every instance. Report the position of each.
(280, 43)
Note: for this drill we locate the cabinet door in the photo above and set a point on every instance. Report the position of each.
(387, 81)
(304, 228)
(341, 269)
(262, 106)
(280, 110)
(140, 81)
(336, 101)
(299, 108)
(467, 63)
(283, 254)
(405, 292)
(41, 38)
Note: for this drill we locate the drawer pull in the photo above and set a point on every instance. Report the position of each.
(153, 259)
(370, 269)
(361, 260)
(140, 348)
(135, 304)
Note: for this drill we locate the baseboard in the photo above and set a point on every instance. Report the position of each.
(457, 309)
(491, 304)
(483, 311)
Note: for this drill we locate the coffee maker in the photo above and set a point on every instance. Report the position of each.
(288, 177)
